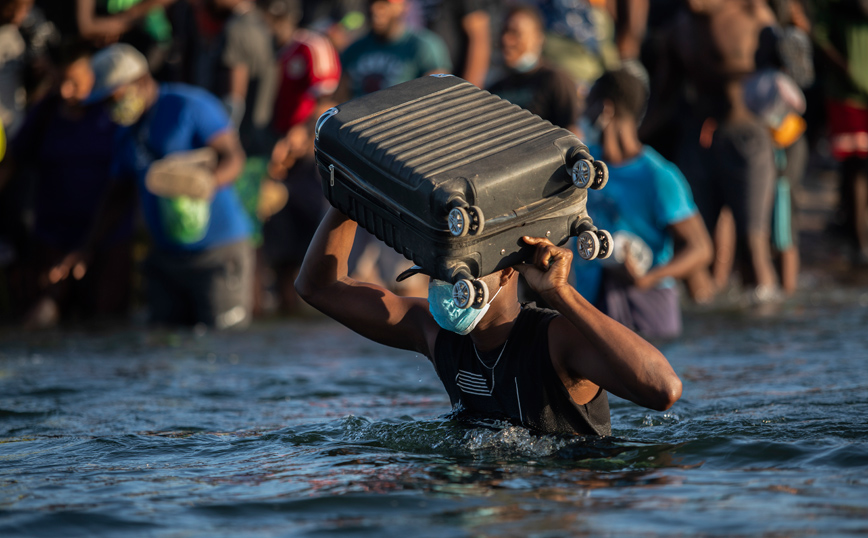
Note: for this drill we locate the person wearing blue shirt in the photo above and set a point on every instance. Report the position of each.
(199, 269)
(649, 209)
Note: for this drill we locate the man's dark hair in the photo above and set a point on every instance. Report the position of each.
(624, 90)
(530, 11)
(66, 53)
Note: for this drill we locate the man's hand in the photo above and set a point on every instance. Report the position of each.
(549, 270)
(277, 166)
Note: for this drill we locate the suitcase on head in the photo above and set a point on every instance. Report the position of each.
(452, 177)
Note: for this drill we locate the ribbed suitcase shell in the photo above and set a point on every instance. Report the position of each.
(397, 161)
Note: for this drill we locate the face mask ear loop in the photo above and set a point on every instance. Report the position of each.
(495, 295)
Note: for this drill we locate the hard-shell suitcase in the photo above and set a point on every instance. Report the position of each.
(452, 177)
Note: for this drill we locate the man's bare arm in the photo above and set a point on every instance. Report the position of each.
(118, 201)
(230, 157)
(91, 26)
(367, 309)
(631, 22)
(477, 26)
(695, 250)
(593, 349)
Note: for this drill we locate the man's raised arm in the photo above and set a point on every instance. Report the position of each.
(370, 310)
(593, 349)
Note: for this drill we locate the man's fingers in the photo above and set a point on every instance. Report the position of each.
(79, 270)
(543, 257)
(536, 240)
(56, 274)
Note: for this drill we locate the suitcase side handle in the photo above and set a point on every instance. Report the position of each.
(321, 121)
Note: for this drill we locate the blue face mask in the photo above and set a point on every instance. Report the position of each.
(447, 314)
(526, 62)
(590, 131)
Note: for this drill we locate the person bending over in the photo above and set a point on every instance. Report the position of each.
(547, 370)
(177, 151)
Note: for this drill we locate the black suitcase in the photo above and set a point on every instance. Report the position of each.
(452, 177)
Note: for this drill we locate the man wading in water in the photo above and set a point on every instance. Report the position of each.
(546, 370)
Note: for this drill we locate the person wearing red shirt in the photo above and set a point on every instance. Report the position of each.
(309, 66)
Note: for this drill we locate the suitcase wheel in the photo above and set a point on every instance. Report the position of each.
(601, 175)
(589, 245)
(580, 173)
(463, 293)
(477, 219)
(463, 221)
(481, 293)
(458, 222)
(470, 293)
(607, 244)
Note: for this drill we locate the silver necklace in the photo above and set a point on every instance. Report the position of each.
(482, 362)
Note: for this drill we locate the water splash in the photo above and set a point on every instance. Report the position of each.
(492, 442)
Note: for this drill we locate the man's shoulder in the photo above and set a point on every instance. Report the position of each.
(663, 171)
(544, 77)
(531, 316)
(362, 44)
(315, 50)
(180, 91)
(551, 72)
(426, 43)
(424, 37)
(671, 188)
(506, 81)
(250, 21)
(190, 102)
(188, 97)
(310, 39)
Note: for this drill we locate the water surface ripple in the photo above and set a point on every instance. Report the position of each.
(303, 429)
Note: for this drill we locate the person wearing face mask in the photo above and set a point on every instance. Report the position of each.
(531, 84)
(180, 153)
(547, 370)
(648, 207)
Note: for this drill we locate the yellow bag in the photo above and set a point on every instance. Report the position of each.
(790, 129)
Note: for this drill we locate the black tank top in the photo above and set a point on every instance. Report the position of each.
(521, 386)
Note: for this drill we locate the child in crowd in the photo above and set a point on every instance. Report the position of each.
(648, 207)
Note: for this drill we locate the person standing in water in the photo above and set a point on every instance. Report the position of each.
(648, 207)
(199, 268)
(547, 370)
(725, 153)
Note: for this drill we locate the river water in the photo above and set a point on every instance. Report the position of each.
(303, 429)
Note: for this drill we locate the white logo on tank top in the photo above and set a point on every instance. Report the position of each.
(471, 383)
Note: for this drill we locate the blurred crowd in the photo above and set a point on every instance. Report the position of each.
(159, 153)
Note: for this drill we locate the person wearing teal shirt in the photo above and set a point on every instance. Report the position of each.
(648, 207)
(390, 54)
